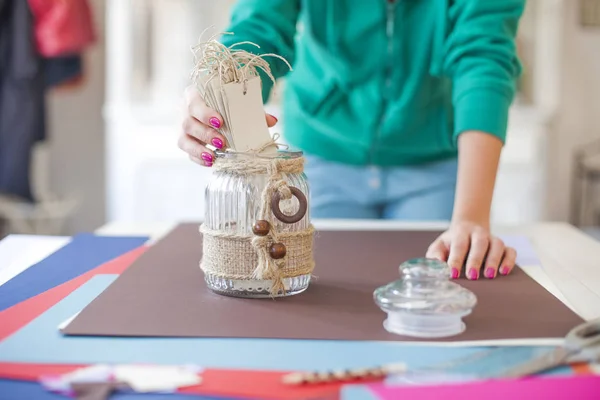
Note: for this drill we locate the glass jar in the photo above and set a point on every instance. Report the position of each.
(233, 207)
(423, 302)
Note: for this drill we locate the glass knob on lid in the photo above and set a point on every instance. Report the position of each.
(424, 302)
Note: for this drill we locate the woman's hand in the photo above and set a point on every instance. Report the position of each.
(200, 128)
(468, 242)
(471, 244)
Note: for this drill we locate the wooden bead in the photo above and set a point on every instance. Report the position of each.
(277, 251)
(261, 227)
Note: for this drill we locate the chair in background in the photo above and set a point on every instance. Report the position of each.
(585, 193)
(48, 215)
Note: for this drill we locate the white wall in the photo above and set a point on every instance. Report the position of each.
(76, 132)
(577, 120)
(142, 154)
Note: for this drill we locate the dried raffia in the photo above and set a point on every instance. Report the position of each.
(216, 65)
(227, 254)
(230, 64)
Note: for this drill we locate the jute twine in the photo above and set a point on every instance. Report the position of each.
(236, 256)
(214, 60)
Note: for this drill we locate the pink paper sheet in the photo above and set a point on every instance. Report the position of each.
(576, 387)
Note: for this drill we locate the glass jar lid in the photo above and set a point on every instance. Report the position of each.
(424, 301)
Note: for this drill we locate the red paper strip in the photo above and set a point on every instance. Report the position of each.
(233, 383)
(19, 315)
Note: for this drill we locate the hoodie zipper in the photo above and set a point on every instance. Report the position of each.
(389, 32)
(390, 26)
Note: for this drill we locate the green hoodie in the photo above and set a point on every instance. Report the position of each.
(386, 83)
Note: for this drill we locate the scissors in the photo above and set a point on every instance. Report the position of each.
(582, 343)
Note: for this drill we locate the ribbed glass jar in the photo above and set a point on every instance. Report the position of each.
(233, 206)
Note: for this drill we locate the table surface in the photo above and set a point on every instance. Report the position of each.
(570, 268)
(569, 257)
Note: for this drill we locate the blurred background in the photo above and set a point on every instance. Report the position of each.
(109, 150)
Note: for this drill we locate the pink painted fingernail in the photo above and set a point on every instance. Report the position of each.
(504, 270)
(207, 157)
(455, 273)
(215, 122)
(218, 143)
(490, 273)
(473, 275)
(208, 163)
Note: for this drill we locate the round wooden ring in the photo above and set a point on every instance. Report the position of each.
(289, 219)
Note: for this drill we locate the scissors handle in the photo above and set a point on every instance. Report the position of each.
(583, 336)
(549, 360)
(583, 341)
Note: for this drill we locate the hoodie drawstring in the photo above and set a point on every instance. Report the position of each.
(439, 40)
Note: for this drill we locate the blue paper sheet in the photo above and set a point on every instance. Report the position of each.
(19, 390)
(357, 392)
(83, 253)
(41, 342)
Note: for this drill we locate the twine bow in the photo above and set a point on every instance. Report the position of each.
(272, 142)
(269, 268)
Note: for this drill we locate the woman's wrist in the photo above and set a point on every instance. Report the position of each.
(478, 158)
(463, 221)
(472, 216)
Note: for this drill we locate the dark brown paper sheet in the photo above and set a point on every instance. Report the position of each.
(163, 294)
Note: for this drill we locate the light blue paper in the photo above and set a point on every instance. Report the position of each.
(41, 342)
(357, 392)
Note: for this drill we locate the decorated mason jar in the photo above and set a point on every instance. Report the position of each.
(257, 234)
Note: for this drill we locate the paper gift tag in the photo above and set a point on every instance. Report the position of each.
(246, 115)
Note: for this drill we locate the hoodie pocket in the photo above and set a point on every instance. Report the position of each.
(328, 101)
